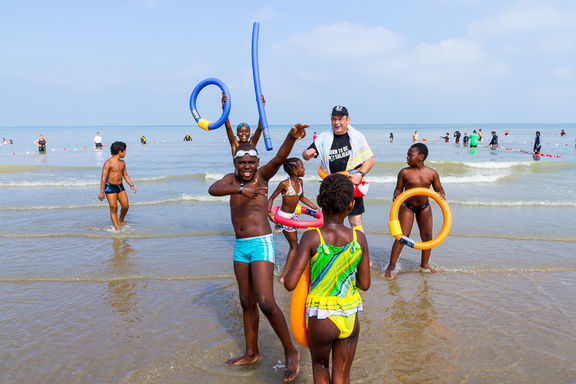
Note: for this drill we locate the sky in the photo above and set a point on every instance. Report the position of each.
(135, 62)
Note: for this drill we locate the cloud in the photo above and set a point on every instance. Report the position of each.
(345, 40)
(265, 14)
(194, 71)
(154, 4)
(527, 17)
(563, 73)
(329, 52)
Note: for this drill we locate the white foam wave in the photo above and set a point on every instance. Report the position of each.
(514, 203)
(498, 165)
(312, 178)
(382, 179)
(472, 179)
(50, 184)
(184, 197)
(72, 182)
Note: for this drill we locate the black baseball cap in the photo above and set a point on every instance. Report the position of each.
(340, 111)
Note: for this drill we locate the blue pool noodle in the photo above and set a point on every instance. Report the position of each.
(257, 90)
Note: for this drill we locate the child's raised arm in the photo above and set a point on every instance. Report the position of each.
(258, 132)
(270, 169)
(231, 137)
(306, 248)
(363, 279)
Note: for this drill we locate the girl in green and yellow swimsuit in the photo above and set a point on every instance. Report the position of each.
(339, 265)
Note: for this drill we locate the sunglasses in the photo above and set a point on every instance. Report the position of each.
(242, 124)
(251, 152)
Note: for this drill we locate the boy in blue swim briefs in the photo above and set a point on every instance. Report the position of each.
(113, 171)
(254, 250)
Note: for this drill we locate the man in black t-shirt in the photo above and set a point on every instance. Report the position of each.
(346, 142)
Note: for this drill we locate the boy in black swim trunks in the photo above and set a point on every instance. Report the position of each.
(111, 183)
(414, 176)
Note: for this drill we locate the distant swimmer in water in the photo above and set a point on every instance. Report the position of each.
(494, 141)
(457, 137)
(391, 137)
(242, 130)
(187, 137)
(113, 171)
(98, 141)
(474, 139)
(41, 143)
(143, 139)
(465, 139)
(415, 137)
(416, 175)
(563, 133)
(446, 138)
(537, 145)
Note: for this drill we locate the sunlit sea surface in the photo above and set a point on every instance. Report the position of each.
(157, 303)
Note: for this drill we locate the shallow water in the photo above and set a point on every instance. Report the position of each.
(157, 303)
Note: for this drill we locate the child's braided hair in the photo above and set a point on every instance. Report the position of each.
(336, 193)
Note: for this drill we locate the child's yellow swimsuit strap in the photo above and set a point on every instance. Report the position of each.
(320, 234)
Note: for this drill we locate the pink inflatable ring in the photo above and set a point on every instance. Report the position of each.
(299, 223)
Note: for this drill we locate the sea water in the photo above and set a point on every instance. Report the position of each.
(157, 302)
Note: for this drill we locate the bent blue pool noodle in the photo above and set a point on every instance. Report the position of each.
(257, 90)
(225, 112)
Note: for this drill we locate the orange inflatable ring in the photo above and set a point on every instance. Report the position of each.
(299, 223)
(360, 189)
(394, 223)
(298, 308)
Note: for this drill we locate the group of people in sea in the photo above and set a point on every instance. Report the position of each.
(475, 137)
(338, 255)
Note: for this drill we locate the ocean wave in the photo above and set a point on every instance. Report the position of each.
(67, 183)
(473, 179)
(111, 279)
(482, 164)
(19, 168)
(477, 269)
(498, 165)
(103, 233)
(489, 236)
(182, 198)
(514, 203)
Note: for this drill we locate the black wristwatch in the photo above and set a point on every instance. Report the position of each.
(241, 188)
(362, 173)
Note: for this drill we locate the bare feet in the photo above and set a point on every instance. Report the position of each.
(122, 223)
(427, 268)
(292, 366)
(388, 274)
(247, 358)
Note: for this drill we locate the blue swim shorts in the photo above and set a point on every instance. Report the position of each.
(260, 248)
